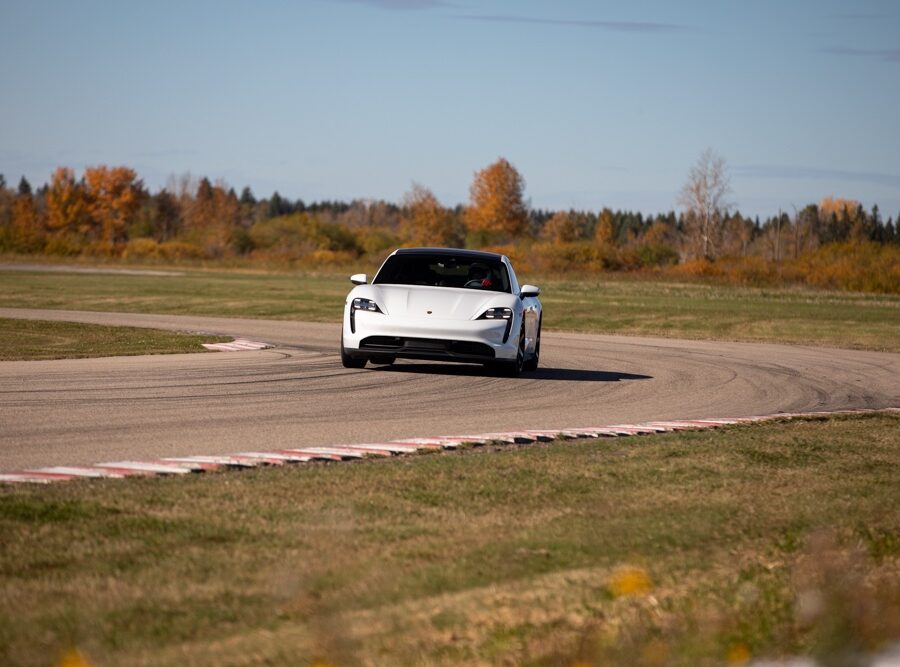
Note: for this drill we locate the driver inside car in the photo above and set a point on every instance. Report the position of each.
(479, 276)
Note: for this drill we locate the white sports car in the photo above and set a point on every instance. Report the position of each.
(443, 304)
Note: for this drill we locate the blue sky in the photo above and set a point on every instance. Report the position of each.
(596, 103)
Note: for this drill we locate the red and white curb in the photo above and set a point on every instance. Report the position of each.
(237, 345)
(183, 465)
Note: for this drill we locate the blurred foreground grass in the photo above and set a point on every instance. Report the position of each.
(612, 305)
(684, 549)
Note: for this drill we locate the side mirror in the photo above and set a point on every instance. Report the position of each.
(359, 279)
(529, 290)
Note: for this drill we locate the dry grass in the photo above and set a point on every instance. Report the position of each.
(28, 340)
(679, 549)
(592, 304)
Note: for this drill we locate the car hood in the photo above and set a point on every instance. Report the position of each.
(438, 302)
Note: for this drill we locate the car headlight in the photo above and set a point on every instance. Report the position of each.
(364, 304)
(499, 314)
(496, 314)
(361, 304)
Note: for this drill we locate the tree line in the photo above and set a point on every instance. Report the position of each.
(108, 211)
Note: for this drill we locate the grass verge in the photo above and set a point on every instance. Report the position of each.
(685, 549)
(615, 305)
(28, 340)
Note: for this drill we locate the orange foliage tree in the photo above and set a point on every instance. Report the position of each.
(427, 223)
(27, 227)
(497, 207)
(838, 206)
(114, 195)
(604, 232)
(67, 203)
(562, 227)
(211, 217)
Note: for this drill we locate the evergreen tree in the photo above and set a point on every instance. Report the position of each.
(167, 216)
(279, 206)
(204, 190)
(876, 226)
(891, 234)
(24, 187)
(247, 196)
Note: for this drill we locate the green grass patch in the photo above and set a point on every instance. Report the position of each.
(683, 549)
(27, 340)
(611, 305)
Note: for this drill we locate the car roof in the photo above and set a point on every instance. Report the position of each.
(458, 252)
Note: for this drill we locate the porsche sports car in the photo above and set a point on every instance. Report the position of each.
(443, 304)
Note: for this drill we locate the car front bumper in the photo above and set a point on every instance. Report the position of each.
(477, 341)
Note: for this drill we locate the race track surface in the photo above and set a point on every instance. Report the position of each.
(91, 410)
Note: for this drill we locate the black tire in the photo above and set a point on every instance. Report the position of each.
(347, 360)
(514, 369)
(535, 359)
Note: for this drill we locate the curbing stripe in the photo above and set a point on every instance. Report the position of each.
(186, 464)
(73, 471)
(237, 345)
(217, 461)
(276, 456)
(33, 477)
(139, 467)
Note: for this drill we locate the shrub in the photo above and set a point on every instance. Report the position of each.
(141, 248)
(63, 245)
(575, 255)
(864, 267)
(178, 250)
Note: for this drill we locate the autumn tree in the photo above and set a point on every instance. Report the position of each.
(6, 214)
(704, 198)
(497, 209)
(737, 233)
(211, 217)
(605, 231)
(67, 203)
(562, 227)
(425, 222)
(168, 216)
(114, 195)
(27, 230)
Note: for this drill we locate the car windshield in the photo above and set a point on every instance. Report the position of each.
(435, 270)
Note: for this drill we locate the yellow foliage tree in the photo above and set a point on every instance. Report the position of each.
(211, 216)
(426, 222)
(114, 195)
(497, 207)
(837, 206)
(27, 228)
(560, 228)
(67, 203)
(605, 233)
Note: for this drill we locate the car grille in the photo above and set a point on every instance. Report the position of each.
(449, 348)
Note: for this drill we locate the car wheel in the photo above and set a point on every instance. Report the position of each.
(514, 368)
(347, 360)
(534, 360)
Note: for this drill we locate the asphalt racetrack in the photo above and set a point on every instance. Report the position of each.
(86, 411)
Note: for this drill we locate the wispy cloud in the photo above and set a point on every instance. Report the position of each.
(402, 5)
(850, 16)
(770, 171)
(613, 26)
(164, 153)
(887, 55)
